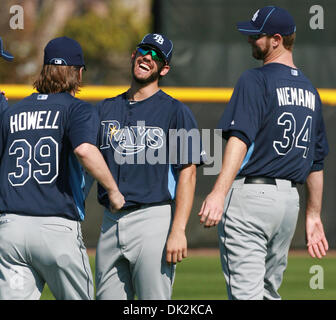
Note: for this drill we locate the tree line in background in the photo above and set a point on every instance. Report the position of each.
(108, 31)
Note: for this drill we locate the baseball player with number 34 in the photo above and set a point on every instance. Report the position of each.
(275, 139)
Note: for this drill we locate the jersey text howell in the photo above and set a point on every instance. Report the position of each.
(33, 121)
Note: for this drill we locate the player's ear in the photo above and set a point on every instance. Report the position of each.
(133, 55)
(164, 70)
(276, 40)
(81, 74)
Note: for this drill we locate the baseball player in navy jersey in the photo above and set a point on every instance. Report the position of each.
(8, 57)
(44, 141)
(143, 138)
(275, 139)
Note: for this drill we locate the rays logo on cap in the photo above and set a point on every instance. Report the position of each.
(255, 16)
(158, 38)
(159, 42)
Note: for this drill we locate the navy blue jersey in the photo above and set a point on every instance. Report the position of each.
(39, 173)
(145, 144)
(3, 103)
(277, 112)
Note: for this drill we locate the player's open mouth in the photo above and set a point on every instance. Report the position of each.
(144, 67)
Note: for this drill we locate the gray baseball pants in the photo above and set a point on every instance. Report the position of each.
(255, 233)
(131, 255)
(38, 250)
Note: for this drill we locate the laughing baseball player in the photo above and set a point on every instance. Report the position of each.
(44, 139)
(276, 139)
(140, 244)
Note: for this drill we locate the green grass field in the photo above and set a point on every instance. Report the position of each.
(200, 278)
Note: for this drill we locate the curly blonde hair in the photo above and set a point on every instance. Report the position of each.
(56, 79)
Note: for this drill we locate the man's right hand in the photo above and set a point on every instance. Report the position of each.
(3, 93)
(212, 209)
(117, 200)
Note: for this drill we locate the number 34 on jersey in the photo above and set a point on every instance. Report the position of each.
(290, 139)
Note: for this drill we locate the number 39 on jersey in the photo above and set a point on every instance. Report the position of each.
(44, 153)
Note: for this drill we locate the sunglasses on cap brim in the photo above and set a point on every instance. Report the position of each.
(156, 55)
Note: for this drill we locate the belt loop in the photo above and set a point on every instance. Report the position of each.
(283, 185)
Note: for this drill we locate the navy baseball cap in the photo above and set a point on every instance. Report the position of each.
(269, 20)
(64, 51)
(5, 54)
(159, 42)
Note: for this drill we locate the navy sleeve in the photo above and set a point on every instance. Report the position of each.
(185, 146)
(3, 103)
(98, 107)
(321, 145)
(3, 135)
(244, 113)
(240, 135)
(83, 124)
(3, 107)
